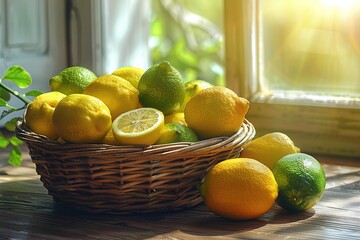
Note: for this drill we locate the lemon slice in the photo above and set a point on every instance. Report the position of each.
(140, 126)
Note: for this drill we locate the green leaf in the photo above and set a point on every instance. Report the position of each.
(3, 103)
(15, 141)
(18, 75)
(15, 156)
(3, 141)
(157, 28)
(7, 112)
(5, 95)
(33, 93)
(183, 54)
(11, 124)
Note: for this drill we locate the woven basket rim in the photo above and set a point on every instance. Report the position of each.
(247, 131)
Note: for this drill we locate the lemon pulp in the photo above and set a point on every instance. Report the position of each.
(140, 126)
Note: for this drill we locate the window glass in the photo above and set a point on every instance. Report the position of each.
(310, 45)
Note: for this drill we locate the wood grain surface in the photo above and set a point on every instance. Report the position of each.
(28, 212)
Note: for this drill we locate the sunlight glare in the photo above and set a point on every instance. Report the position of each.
(314, 52)
(342, 5)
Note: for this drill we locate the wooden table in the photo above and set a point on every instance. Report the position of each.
(28, 212)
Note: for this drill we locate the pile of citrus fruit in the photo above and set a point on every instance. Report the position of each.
(134, 106)
(154, 106)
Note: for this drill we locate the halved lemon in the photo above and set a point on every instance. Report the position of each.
(140, 126)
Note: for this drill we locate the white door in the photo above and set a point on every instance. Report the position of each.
(33, 35)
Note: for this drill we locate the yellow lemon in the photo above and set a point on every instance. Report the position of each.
(176, 132)
(38, 115)
(131, 74)
(192, 88)
(81, 118)
(239, 188)
(140, 126)
(110, 138)
(175, 117)
(269, 148)
(117, 93)
(216, 111)
(72, 80)
(162, 87)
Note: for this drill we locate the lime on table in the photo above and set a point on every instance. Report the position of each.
(301, 180)
(72, 80)
(140, 126)
(162, 87)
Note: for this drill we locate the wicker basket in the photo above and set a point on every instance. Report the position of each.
(126, 179)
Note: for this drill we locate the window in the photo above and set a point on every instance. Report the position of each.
(298, 64)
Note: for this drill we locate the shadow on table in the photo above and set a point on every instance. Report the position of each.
(37, 216)
(196, 221)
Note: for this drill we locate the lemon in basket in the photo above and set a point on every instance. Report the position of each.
(131, 74)
(176, 132)
(140, 126)
(38, 115)
(175, 117)
(239, 188)
(72, 80)
(110, 138)
(215, 111)
(162, 87)
(192, 88)
(117, 93)
(80, 118)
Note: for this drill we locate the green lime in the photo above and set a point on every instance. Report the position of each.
(162, 87)
(72, 80)
(192, 88)
(176, 132)
(301, 180)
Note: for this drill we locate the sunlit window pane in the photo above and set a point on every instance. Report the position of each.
(310, 46)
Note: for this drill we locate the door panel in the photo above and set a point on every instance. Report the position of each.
(33, 35)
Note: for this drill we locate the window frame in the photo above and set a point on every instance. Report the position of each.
(317, 124)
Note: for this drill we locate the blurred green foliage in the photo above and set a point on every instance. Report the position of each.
(21, 79)
(189, 35)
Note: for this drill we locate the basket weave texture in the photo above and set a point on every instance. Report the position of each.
(126, 179)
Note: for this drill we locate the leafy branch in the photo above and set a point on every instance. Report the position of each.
(22, 79)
